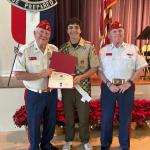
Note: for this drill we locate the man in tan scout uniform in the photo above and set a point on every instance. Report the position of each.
(87, 63)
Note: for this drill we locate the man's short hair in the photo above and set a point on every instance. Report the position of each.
(73, 20)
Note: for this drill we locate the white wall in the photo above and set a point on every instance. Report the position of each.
(6, 41)
(10, 100)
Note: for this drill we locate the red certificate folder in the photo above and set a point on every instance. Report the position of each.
(63, 62)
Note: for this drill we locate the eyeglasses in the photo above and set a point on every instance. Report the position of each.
(76, 27)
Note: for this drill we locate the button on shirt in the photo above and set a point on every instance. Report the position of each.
(120, 62)
(31, 59)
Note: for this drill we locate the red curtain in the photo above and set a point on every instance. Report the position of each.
(135, 16)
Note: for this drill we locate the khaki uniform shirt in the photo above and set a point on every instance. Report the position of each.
(120, 63)
(86, 59)
(31, 59)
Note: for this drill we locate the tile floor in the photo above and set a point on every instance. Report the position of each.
(140, 140)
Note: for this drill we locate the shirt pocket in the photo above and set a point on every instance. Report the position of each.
(107, 62)
(34, 66)
(83, 61)
(128, 62)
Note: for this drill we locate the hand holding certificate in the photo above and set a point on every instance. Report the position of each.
(64, 66)
(59, 80)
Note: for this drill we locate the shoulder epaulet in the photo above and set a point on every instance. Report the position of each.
(31, 44)
(108, 45)
(26, 46)
(104, 48)
(89, 43)
(53, 47)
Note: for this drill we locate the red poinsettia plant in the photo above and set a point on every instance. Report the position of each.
(20, 117)
(140, 113)
(60, 118)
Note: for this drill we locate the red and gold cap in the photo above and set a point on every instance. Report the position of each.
(44, 24)
(116, 25)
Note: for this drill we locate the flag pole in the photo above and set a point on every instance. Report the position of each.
(16, 51)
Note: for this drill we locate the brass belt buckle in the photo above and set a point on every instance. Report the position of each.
(43, 91)
(118, 81)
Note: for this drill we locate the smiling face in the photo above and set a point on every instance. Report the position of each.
(74, 31)
(42, 37)
(116, 36)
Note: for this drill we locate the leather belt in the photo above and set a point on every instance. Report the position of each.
(118, 81)
(41, 91)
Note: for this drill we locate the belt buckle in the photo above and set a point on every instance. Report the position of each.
(46, 90)
(40, 91)
(118, 82)
(43, 91)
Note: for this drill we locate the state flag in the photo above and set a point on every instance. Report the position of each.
(24, 22)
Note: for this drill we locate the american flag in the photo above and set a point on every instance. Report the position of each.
(105, 20)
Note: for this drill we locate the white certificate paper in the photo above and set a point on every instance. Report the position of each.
(59, 80)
